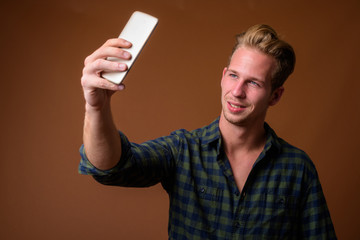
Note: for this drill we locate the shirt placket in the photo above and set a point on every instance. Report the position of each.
(238, 222)
(240, 216)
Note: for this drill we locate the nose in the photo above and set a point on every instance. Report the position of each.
(239, 90)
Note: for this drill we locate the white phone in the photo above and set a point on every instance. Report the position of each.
(137, 31)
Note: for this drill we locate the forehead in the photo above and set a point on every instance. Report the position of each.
(252, 63)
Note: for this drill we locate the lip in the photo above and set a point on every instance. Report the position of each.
(235, 107)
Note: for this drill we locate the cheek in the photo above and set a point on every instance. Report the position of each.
(260, 99)
(226, 86)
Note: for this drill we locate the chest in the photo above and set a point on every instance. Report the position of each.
(208, 202)
(241, 166)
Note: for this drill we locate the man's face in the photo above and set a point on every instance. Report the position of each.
(246, 87)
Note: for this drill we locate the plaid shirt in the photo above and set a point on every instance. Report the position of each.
(281, 199)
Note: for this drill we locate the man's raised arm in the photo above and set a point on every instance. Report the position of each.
(101, 139)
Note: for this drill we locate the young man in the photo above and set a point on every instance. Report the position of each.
(232, 179)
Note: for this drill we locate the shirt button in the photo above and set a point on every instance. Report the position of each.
(202, 190)
(243, 195)
(237, 193)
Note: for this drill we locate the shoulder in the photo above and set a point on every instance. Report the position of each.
(291, 156)
(297, 158)
(291, 150)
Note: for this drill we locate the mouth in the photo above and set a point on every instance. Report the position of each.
(236, 106)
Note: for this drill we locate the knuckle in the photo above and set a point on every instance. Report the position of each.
(107, 42)
(102, 84)
(87, 60)
(83, 81)
(97, 64)
(110, 42)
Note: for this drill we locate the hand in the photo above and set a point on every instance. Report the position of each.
(97, 90)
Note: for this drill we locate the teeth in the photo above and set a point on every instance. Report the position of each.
(234, 106)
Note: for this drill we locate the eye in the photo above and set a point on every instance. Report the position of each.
(232, 75)
(254, 83)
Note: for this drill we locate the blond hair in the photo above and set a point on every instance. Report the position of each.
(265, 39)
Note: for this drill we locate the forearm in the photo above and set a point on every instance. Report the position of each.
(102, 142)
(101, 139)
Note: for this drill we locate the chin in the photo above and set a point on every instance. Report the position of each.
(235, 120)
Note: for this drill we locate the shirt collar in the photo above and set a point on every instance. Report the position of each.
(212, 135)
(272, 140)
(272, 145)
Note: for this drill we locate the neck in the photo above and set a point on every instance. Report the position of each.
(244, 138)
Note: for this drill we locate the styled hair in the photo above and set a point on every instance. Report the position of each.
(264, 39)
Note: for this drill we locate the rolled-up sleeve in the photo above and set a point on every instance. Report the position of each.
(140, 165)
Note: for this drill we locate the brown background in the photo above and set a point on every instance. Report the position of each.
(174, 84)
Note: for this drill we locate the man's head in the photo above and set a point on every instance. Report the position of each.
(252, 81)
(264, 39)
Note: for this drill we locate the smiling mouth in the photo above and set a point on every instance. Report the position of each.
(236, 106)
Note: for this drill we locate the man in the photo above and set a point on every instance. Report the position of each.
(232, 179)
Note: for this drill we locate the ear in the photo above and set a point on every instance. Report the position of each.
(223, 74)
(224, 71)
(276, 96)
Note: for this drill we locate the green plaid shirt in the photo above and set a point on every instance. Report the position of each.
(282, 197)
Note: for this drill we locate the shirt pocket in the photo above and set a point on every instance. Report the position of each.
(278, 216)
(205, 210)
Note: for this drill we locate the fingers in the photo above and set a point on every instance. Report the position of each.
(117, 42)
(111, 48)
(97, 90)
(97, 63)
(91, 82)
(102, 65)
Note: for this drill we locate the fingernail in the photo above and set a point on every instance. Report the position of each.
(121, 87)
(127, 43)
(126, 54)
(122, 66)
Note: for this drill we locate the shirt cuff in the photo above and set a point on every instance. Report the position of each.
(87, 168)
